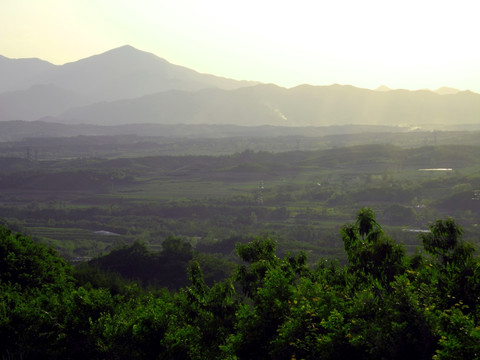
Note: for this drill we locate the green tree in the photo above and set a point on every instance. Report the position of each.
(268, 283)
(370, 252)
(444, 241)
(34, 284)
(454, 271)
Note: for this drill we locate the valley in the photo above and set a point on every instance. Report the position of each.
(299, 196)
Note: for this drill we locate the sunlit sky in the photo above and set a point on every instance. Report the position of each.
(411, 44)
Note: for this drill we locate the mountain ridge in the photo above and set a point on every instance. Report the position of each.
(127, 85)
(304, 105)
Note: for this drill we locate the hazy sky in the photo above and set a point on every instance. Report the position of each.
(408, 44)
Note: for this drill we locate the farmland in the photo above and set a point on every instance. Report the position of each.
(300, 197)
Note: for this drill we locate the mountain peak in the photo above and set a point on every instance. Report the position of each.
(126, 49)
(383, 88)
(121, 73)
(120, 56)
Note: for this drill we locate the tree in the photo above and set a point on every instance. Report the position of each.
(28, 264)
(177, 248)
(35, 283)
(369, 251)
(268, 282)
(444, 241)
(454, 269)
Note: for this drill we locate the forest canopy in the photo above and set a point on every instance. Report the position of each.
(383, 303)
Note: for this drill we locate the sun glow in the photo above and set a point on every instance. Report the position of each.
(407, 44)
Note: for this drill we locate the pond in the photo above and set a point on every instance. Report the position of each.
(436, 169)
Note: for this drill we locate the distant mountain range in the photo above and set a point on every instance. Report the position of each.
(441, 91)
(129, 86)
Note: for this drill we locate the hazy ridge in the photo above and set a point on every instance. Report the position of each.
(129, 86)
(300, 106)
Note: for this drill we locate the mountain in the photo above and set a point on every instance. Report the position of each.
(126, 72)
(120, 73)
(273, 105)
(20, 74)
(129, 86)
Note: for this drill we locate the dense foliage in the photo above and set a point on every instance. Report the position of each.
(382, 304)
